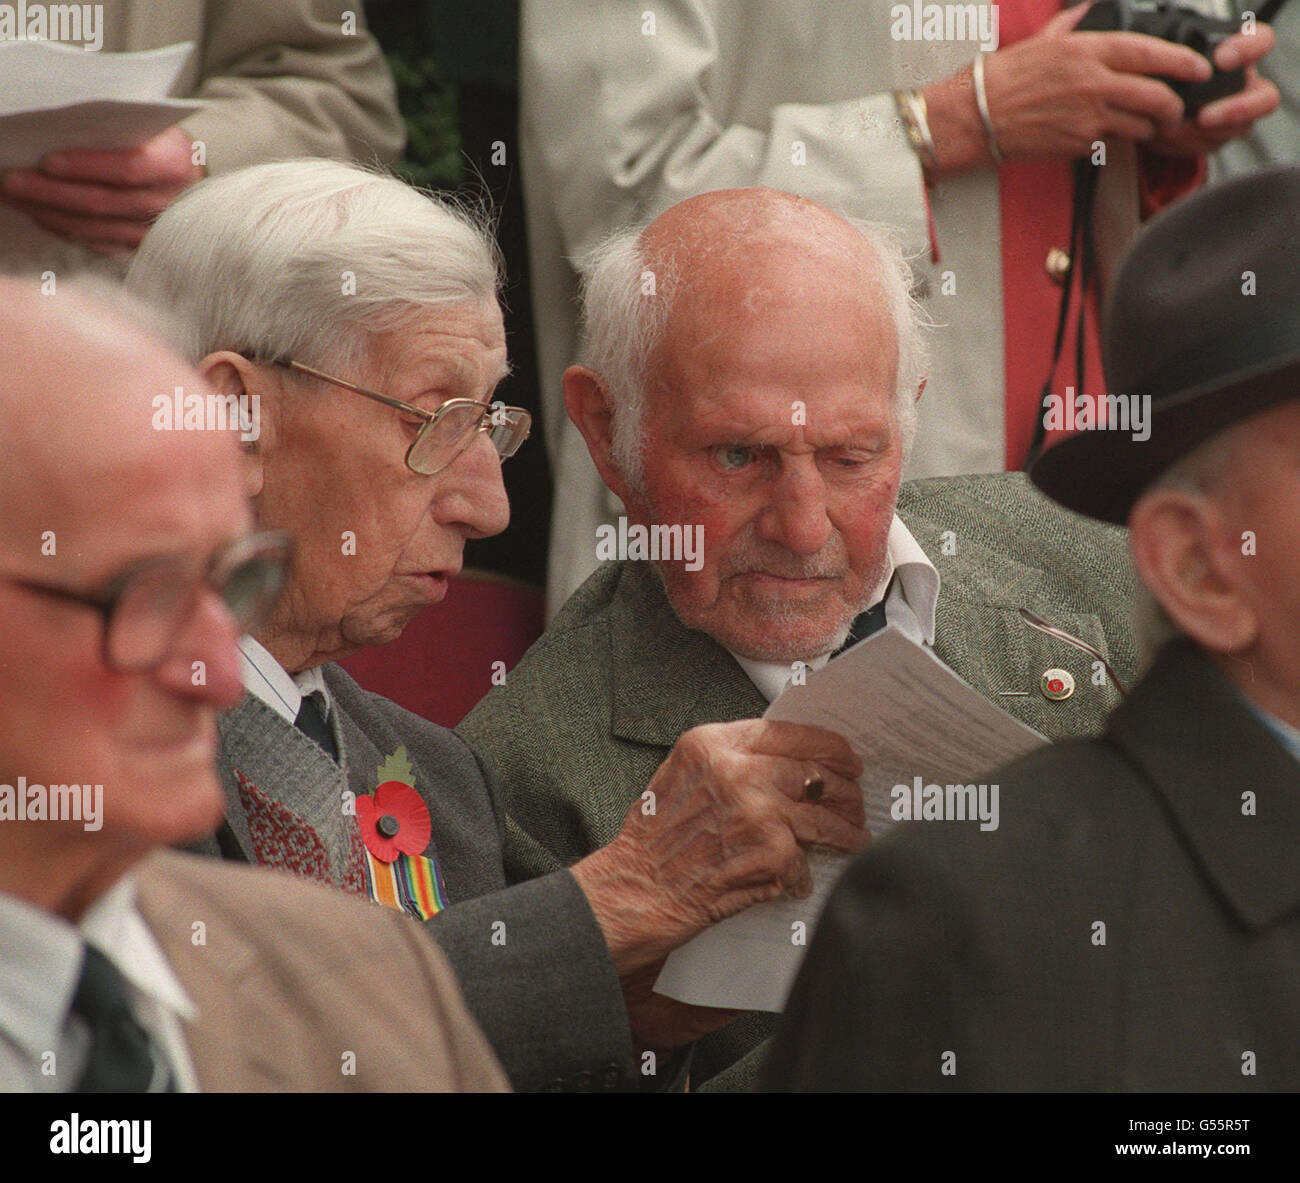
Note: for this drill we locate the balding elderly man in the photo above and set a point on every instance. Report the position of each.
(128, 566)
(760, 393)
(1135, 923)
(360, 318)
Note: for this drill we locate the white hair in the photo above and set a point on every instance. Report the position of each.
(306, 258)
(625, 308)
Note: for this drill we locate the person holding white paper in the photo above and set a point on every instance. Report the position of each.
(292, 78)
(761, 388)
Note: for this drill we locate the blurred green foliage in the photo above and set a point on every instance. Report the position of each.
(429, 104)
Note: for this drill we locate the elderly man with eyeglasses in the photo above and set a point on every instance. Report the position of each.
(124, 967)
(363, 317)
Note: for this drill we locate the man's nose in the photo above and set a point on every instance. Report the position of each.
(204, 660)
(795, 515)
(470, 492)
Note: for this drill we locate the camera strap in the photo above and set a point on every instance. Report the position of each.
(1082, 265)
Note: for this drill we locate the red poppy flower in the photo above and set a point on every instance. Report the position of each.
(394, 820)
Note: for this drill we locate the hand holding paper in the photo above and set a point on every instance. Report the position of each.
(105, 198)
(722, 825)
(101, 157)
(906, 715)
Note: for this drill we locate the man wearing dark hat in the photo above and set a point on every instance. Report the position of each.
(1134, 922)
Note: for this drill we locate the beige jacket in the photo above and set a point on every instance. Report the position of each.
(303, 988)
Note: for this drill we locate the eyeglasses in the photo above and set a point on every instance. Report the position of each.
(146, 606)
(447, 432)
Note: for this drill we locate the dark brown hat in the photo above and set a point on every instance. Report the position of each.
(1204, 320)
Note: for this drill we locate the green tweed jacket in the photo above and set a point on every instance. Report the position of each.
(596, 704)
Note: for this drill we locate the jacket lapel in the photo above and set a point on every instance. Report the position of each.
(992, 649)
(667, 678)
(1232, 787)
(981, 636)
(230, 1036)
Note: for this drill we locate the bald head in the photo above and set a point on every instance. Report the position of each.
(717, 259)
(762, 230)
(77, 397)
(752, 368)
(92, 491)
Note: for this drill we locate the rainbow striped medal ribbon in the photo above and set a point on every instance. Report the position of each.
(395, 829)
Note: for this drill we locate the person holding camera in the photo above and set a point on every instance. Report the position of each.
(1053, 93)
(1275, 140)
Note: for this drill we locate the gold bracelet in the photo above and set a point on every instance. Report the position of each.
(911, 110)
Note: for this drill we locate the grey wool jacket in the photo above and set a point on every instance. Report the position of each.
(531, 960)
(596, 705)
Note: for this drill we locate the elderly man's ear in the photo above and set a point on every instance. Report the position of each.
(588, 402)
(1187, 554)
(233, 374)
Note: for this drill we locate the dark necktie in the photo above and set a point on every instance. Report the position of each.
(866, 623)
(120, 1060)
(312, 724)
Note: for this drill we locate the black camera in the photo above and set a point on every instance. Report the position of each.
(1183, 26)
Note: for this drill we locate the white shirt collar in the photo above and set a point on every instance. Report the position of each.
(910, 607)
(38, 974)
(113, 924)
(42, 965)
(267, 679)
(1286, 734)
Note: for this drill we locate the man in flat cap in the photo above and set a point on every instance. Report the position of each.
(1133, 924)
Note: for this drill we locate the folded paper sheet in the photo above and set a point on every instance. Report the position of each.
(54, 96)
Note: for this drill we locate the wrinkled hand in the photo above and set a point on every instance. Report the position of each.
(1231, 117)
(661, 1023)
(105, 199)
(1055, 93)
(727, 830)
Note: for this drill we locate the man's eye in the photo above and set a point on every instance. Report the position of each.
(852, 459)
(733, 457)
